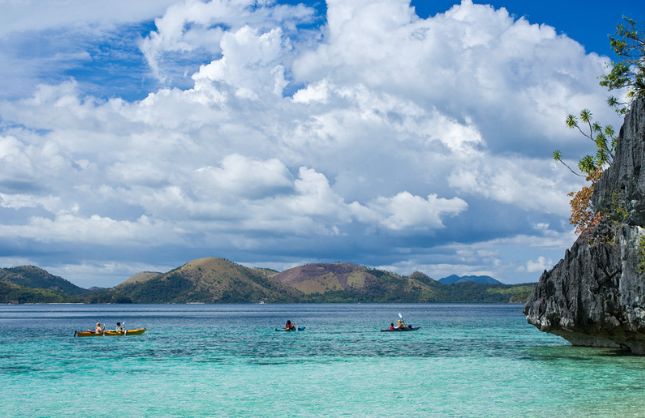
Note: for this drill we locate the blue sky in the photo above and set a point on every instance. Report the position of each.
(117, 67)
(408, 136)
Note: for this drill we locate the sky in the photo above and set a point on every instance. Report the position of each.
(405, 136)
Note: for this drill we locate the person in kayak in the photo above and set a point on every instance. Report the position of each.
(289, 326)
(120, 327)
(400, 324)
(99, 328)
(392, 326)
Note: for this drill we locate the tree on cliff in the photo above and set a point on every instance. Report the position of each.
(626, 73)
(591, 167)
(629, 71)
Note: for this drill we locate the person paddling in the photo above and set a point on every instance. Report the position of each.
(289, 326)
(99, 328)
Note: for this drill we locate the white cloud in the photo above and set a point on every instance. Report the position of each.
(95, 229)
(472, 61)
(242, 176)
(318, 92)
(32, 15)
(530, 184)
(88, 273)
(19, 201)
(15, 261)
(398, 129)
(405, 210)
(538, 265)
(195, 24)
(250, 63)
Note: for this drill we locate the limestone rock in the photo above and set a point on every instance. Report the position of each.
(595, 295)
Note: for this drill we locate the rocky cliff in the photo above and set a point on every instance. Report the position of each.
(595, 295)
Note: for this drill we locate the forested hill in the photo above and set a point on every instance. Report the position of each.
(217, 280)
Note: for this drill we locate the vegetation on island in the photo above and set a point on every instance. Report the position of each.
(641, 254)
(216, 280)
(13, 293)
(627, 73)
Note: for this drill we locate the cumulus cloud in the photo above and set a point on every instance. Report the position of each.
(531, 184)
(405, 210)
(244, 53)
(379, 134)
(471, 61)
(196, 25)
(242, 176)
(538, 265)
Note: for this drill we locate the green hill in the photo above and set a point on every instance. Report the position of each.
(455, 279)
(216, 280)
(208, 280)
(518, 293)
(345, 282)
(142, 277)
(13, 293)
(36, 278)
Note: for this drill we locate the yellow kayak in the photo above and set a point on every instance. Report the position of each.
(109, 333)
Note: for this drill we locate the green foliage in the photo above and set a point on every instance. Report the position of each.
(12, 293)
(160, 290)
(391, 291)
(106, 296)
(516, 294)
(619, 212)
(587, 164)
(34, 277)
(641, 251)
(629, 71)
(583, 214)
(603, 138)
(387, 288)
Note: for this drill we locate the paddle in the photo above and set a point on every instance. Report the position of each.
(403, 324)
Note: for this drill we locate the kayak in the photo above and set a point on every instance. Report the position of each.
(290, 330)
(401, 330)
(110, 333)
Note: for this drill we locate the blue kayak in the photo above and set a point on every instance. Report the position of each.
(290, 330)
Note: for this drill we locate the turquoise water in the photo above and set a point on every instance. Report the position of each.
(227, 360)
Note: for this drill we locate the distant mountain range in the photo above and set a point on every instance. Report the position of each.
(217, 280)
(454, 279)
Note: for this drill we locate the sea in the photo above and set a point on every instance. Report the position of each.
(229, 360)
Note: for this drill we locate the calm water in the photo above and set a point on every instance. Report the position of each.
(227, 360)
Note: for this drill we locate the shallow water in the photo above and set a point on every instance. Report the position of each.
(227, 360)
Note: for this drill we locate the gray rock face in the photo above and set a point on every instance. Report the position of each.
(624, 182)
(595, 295)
